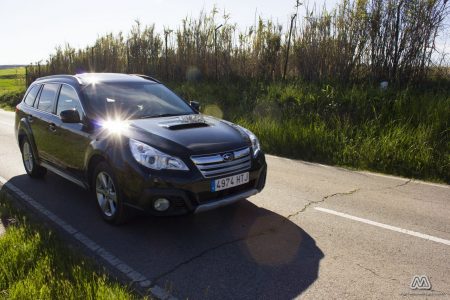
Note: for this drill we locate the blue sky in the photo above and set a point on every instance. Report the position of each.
(30, 30)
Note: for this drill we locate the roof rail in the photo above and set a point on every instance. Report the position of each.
(147, 77)
(72, 77)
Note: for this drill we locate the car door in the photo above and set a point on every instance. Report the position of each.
(73, 138)
(44, 122)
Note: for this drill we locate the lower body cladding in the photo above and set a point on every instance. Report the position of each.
(164, 196)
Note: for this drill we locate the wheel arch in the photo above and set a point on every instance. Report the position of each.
(24, 130)
(94, 160)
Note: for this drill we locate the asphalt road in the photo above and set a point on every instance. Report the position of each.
(314, 232)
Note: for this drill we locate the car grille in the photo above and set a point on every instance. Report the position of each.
(221, 164)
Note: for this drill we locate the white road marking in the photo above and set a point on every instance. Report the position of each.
(112, 260)
(299, 161)
(404, 178)
(385, 226)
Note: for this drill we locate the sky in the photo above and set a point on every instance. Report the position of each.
(30, 30)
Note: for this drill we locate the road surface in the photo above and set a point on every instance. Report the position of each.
(314, 232)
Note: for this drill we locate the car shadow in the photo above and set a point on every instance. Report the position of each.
(247, 252)
(240, 251)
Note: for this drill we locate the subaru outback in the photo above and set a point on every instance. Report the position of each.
(136, 145)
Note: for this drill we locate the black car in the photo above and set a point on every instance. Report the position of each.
(136, 145)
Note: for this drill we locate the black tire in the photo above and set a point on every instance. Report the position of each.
(29, 160)
(108, 195)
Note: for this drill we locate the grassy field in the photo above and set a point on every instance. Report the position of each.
(12, 80)
(402, 131)
(12, 87)
(35, 264)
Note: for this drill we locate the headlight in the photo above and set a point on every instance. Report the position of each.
(255, 142)
(155, 159)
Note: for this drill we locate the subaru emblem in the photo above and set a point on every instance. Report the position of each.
(227, 156)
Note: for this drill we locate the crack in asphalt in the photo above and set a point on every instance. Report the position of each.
(392, 187)
(375, 273)
(402, 184)
(241, 239)
(370, 270)
(320, 201)
(378, 189)
(206, 251)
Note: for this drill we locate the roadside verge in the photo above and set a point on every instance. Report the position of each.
(79, 242)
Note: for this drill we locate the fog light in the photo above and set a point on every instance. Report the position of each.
(161, 204)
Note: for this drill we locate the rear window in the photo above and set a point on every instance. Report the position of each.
(31, 96)
(47, 98)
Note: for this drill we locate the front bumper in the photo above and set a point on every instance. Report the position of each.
(188, 192)
(225, 201)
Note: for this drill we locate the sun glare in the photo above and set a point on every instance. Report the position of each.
(115, 126)
(92, 79)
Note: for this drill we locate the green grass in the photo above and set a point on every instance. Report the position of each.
(403, 131)
(35, 264)
(12, 80)
(9, 100)
(12, 87)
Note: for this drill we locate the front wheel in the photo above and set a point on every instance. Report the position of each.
(29, 161)
(108, 195)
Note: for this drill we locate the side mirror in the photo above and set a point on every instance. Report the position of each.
(195, 105)
(70, 116)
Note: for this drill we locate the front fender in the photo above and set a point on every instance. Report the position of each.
(110, 149)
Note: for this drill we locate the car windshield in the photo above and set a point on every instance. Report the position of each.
(134, 100)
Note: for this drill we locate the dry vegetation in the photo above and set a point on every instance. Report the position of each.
(357, 41)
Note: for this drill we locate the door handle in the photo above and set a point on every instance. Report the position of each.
(30, 118)
(52, 127)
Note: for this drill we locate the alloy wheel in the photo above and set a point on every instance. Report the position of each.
(27, 156)
(106, 194)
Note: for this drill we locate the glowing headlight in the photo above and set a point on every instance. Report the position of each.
(255, 142)
(155, 159)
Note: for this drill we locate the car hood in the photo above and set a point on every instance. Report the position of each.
(192, 134)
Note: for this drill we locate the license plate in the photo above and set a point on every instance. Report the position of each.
(229, 182)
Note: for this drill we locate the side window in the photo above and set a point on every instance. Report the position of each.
(31, 96)
(47, 98)
(68, 99)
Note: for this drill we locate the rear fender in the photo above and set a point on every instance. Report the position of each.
(24, 129)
